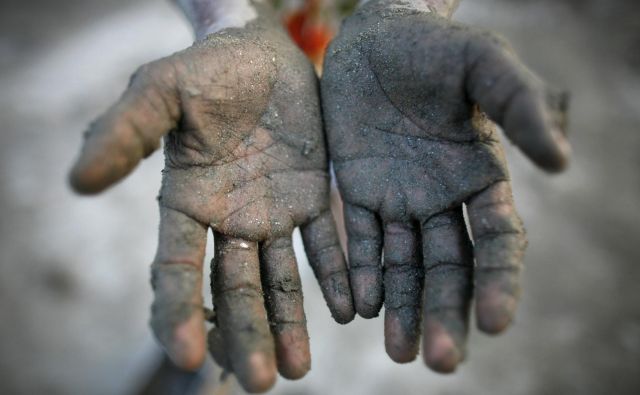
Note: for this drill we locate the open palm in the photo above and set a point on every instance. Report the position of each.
(409, 100)
(245, 157)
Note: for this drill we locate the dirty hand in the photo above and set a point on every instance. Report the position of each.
(409, 101)
(245, 156)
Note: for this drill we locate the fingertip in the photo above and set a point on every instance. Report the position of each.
(440, 352)
(551, 156)
(367, 291)
(341, 304)
(82, 183)
(558, 162)
(191, 362)
(343, 314)
(535, 129)
(295, 372)
(399, 355)
(366, 310)
(260, 374)
(494, 322)
(188, 347)
(495, 311)
(400, 337)
(555, 167)
(294, 356)
(441, 355)
(337, 293)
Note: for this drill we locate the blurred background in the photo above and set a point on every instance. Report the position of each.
(74, 289)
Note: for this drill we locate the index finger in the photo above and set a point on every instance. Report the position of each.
(499, 244)
(322, 246)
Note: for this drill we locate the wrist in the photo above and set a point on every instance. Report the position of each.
(444, 8)
(210, 16)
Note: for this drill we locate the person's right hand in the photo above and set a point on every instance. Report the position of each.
(245, 157)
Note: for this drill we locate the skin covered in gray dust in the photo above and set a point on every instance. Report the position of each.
(410, 100)
(245, 156)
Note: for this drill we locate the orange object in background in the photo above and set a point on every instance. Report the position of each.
(311, 30)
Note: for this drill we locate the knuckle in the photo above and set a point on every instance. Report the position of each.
(286, 283)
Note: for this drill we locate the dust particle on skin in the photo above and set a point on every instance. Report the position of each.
(192, 91)
(307, 148)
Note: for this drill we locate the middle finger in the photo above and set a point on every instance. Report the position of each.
(240, 312)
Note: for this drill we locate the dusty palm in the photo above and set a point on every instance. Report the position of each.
(405, 95)
(245, 156)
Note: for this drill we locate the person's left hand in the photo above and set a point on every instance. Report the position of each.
(410, 100)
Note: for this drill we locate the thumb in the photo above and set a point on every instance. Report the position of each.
(129, 131)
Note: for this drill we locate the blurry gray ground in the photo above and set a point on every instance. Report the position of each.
(74, 290)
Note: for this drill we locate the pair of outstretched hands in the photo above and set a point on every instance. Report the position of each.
(408, 102)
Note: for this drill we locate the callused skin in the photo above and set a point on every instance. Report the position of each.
(410, 100)
(245, 156)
